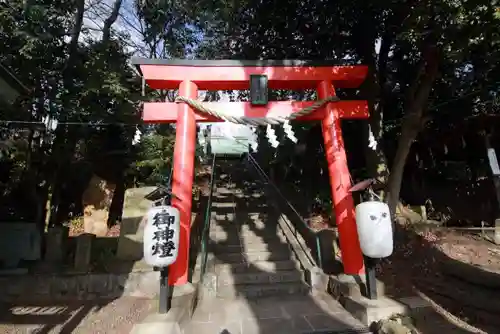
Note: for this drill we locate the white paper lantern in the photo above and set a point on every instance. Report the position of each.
(161, 236)
(374, 224)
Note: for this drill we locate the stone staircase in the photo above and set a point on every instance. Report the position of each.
(251, 256)
(254, 282)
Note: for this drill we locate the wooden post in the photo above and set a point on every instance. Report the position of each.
(495, 172)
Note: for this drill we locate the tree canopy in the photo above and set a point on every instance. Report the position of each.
(434, 71)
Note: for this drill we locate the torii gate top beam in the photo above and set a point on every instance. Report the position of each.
(235, 74)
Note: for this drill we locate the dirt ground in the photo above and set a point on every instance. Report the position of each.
(426, 252)
(77, 229)
(457, 271)
(470, 248)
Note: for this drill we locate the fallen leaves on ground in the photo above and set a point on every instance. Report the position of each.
(417, 263)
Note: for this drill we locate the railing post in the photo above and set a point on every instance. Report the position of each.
(340, 182)
(182, 185)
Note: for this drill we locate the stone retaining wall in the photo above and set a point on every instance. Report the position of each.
(79, 287)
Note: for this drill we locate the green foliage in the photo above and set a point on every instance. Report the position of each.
(436, 61)
(102, 88)
(154, 159)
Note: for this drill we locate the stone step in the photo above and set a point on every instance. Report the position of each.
(232, 227)
(254, 256)
(220, 204)
(246, 234)
(233, 240)
(256, 218)
(243, 227)
(257, 266)
(286, 276)
(246, 240)
(226, 190)
(247, 202)
(275, 246)
(252, 291)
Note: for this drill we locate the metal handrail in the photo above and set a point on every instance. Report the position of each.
(266, 178)
(206, 223)
(310, 230)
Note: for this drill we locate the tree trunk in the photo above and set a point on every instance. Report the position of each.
(64, 158)
(59, 149)
(409, 133)
(373, 91)
(375, 157)
(106, 30)
(116, 207)
(413, 121)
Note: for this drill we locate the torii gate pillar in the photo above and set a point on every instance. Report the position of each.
(182, 179)
(190, 75)
(340, 182)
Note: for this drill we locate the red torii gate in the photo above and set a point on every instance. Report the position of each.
(189, 76)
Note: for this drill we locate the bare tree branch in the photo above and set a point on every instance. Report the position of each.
(106, 31)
